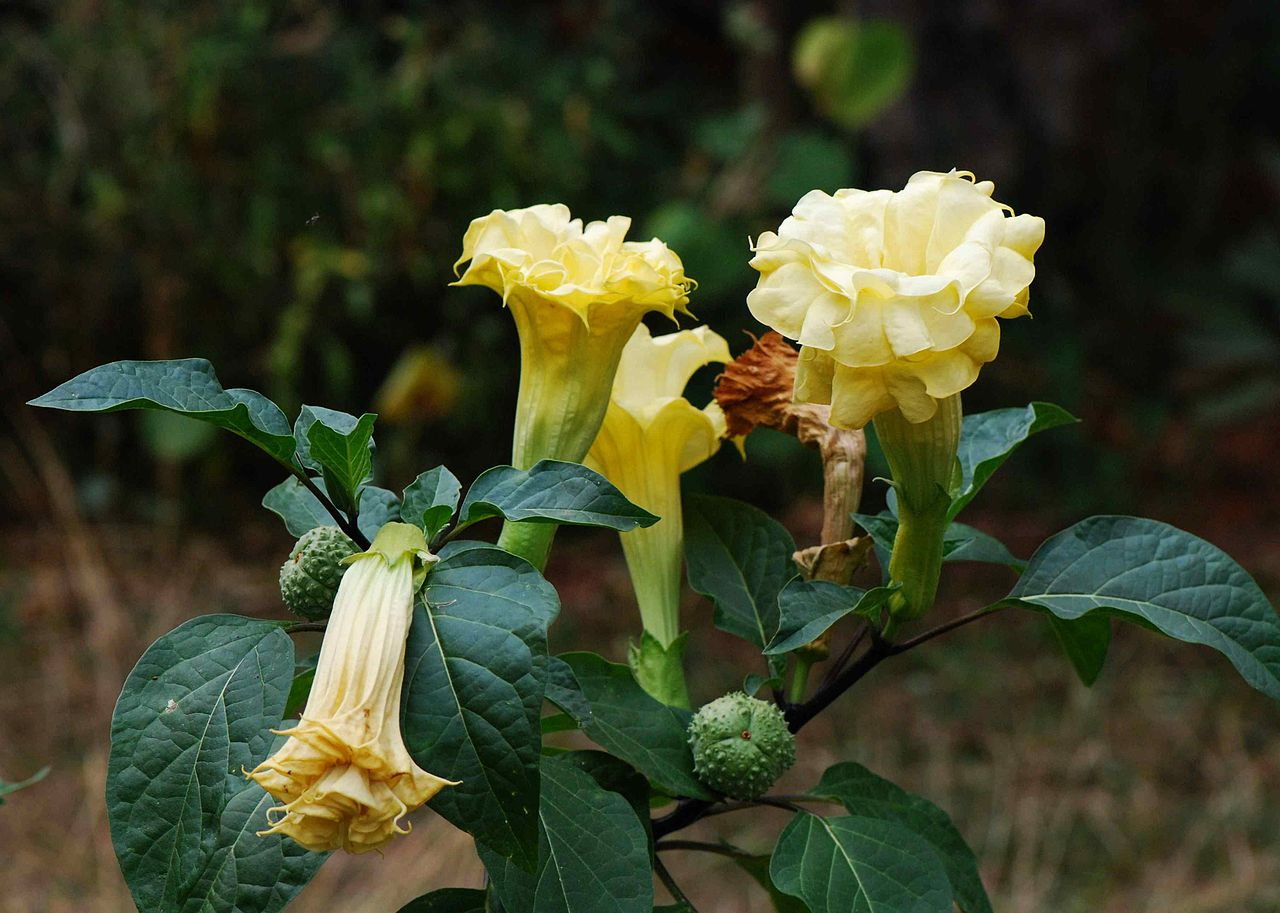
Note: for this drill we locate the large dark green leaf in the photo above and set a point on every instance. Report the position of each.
(341, 445)
(859, 865)
(194, 714)
(869, 796)
(807, 608)
(1155, 574)
(959, 542)
(186, 386)
(564, 691)
(987, 439)
(594, 853)
(551, 492)
(430, 500)
(448, 900)
(626, 721)
(474, 674)
(740, 557)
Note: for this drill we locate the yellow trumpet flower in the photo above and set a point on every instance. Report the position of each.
(650, 435)
(344, 777)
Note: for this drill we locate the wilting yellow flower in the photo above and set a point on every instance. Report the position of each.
(894, 296)
(576, 292)
(651, 434)
(344, 777)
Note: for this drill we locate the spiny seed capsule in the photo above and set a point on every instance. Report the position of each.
(309, 579)
(741, 745)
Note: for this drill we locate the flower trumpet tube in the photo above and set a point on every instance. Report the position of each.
(650, 435)
(576, 293)
(344, 778)
(894, 297)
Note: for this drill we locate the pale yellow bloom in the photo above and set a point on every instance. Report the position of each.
(893, 297)
(651, 434)
(577, 293)
(344, 777)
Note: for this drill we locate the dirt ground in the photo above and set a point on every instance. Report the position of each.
(1153, 792)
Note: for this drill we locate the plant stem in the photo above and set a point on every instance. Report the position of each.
(670, 884)
(352, 531)
(799, 679)
(528, 540)
(699, 846)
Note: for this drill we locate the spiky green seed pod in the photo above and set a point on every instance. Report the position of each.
(309, 579)
(741, 745)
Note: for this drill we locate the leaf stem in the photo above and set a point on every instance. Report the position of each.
(348, 527)
(799, 679)
(670, 884)
(305, 627)
(699, 846)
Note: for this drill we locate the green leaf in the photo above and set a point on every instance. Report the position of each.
(474, 671)
(855, 69)
(1159, 576)
(186, 386)
(194, 714)
(564, 691)
(752, 683)
(987, 439)
(7, 788)
(959, 542)
(342, 446)
(758, 868)
(430, 500)
(740, 557)
(301, 510)
(594, 854)
(616, 776)
(807, 608)
(448, 900)
(299, 691)
(1085, 641)
(864, 794)
(551, 492)
(859, 865)
(626, 721)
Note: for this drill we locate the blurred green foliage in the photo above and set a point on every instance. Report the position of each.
(282, 187)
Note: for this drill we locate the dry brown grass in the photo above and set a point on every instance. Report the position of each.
(1154, 792)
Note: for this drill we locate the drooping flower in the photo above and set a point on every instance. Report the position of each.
(344, 777)
(894, 297)
(650, 435)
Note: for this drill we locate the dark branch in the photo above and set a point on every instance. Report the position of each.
(670, 884)
(305, 627)
(347, 526)
(698, 846)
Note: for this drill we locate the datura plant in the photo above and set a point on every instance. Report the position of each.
(426, 675)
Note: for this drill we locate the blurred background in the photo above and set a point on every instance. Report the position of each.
(282, 188)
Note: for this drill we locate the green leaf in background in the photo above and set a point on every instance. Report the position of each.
(551, 492)
(1085, 641)
(594, 854)
(854, 69)
(866, 795)
(302, 511)
(758, 868)
(186, 386)
(7, 788)
(959, 543)
(626, 721)
(807, 159)
(1163, 578)
(740, 557)
(342, 447)
(195, 713)
(430, 500)
(448, 900)
(172, 436)
(807, 608)
(564, 691)
(859, 865)
(987, 439)
(473, 691)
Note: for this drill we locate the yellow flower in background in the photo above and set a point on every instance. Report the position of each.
(344, 777)
(894, 297)
(650, 435)
(577, 293)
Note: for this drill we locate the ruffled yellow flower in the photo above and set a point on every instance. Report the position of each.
(650, 435)
(577, 293)
(344, 777)
(894, 297)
